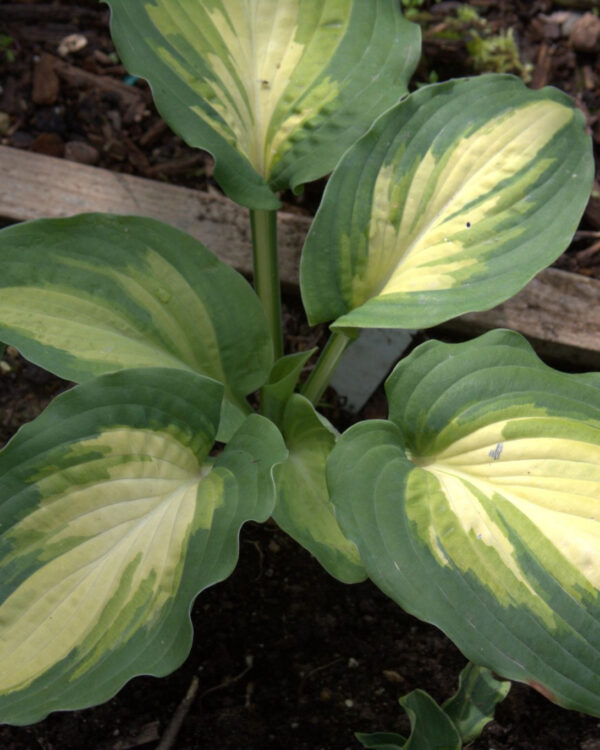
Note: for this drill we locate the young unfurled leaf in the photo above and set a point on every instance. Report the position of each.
(112, 518)
(452, 202)
(98, 293)
(282, 382)
(303, 507)
(472, 707)
(431, 729)
(476, 508)
(276, 90)
(460, 720)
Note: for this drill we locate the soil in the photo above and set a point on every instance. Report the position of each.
(284, 656)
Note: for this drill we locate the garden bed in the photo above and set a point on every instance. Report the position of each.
(284, 656)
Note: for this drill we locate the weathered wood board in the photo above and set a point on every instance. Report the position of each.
(558, 311)
(33, 186)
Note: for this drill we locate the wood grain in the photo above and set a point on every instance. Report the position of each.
(558, 311)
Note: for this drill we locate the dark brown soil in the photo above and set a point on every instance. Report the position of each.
(286, 657)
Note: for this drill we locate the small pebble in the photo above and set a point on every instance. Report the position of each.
(71, 43)
(585, 34)
(392, 676)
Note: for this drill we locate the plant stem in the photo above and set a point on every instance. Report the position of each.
(329, 359)
(266, 271)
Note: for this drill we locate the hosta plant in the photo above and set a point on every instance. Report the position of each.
(475, 505)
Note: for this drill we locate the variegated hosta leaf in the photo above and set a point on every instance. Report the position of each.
(113, 517)
(276, 90)
(98, 293)
(477, 508)
(451, 203)
(303, 507)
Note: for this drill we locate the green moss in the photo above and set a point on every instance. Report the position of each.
(497, 54)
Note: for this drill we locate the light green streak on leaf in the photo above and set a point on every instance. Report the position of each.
(452, 520)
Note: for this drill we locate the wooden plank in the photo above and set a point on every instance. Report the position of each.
(557, 311)
(34, 186)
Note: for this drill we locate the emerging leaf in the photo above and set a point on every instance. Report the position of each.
(303, 508)
(431, 729)
(282, 381)
(460, 720)
(276, 90)
(113, 518)
(472, 707)
(452, 202)
(98, 293)
(476, 508)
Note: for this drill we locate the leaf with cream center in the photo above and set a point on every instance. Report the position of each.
(276, 90)
(113, 517)
(485, 485)
(451, 203)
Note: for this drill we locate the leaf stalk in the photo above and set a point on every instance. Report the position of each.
(326, 365)
(266, 271)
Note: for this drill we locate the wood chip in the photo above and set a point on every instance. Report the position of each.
(46, 85)
(542, 67)
(176, 166)
(49, 144)
(129, 95)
